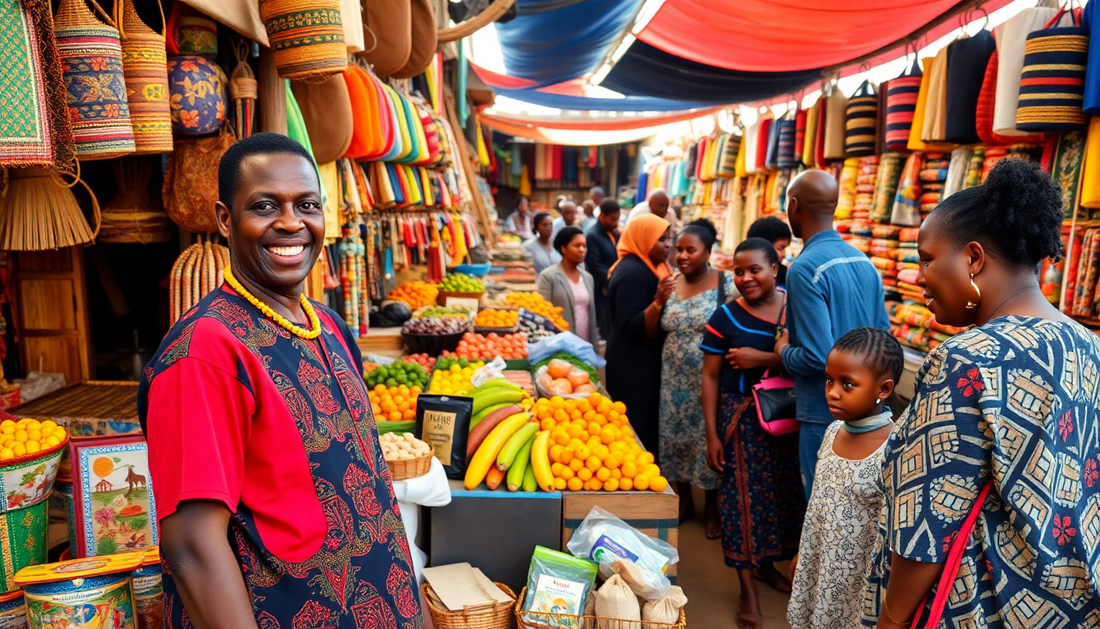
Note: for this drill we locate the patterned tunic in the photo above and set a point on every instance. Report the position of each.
(238, 410)
(1015, 400)
(840, 537)
(683, 435)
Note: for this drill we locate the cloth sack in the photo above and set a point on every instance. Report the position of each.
(306, 37)
(861, 122)
(615, 600)
(667, 609)
(967, 60)
(191, 180)
(388, 23)
(836, 107)
(423, 40)
(1052, 85)
(1011, 38)
(326, 110)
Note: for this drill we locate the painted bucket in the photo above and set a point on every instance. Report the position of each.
(25, 486)
(149, 591)
(93, 593)
(13, 611)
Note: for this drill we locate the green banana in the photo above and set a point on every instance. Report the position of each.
(476, 419)
(494, 385)
(529, 483)
(496, 397)
(520, 465)
(515, 443)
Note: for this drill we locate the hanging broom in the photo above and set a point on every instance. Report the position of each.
(243, 89)
(38, 212)
(199, 270)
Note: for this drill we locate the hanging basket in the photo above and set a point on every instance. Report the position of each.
(199, 270)
(306, 36)
(134, 215)
(145, 66)
(40, 212)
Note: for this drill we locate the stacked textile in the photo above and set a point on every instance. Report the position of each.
(884, 255)
(865, 187)
(914, 325)
(886, 185)
(933, 175)
(846, 201)
(1082, 296)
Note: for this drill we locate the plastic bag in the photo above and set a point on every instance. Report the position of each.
(667, 609)
(605, 539)
(558, 584)
(565, 342)
(616, 602)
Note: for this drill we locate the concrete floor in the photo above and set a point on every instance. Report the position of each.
(712, 588)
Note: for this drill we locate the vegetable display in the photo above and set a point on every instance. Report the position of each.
(461, 283)
(434, 326)
(593, 373)
(394, 404)
(400, 372)
(537, 304)
(487, 347)
(416, 294)
(452, 376)
(397, 447)
(496, 319)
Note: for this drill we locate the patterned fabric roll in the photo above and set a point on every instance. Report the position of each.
(889, 173)
(905, 204)
(1069, 159)
(848, 176)
(1052, 86)
(91, 54)
(800, 120)
(785, 158)
(146, 70)
(306, 36)
(974, 170)
(860, 123)
(730, 148)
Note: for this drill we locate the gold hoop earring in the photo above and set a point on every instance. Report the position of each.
(970, 305)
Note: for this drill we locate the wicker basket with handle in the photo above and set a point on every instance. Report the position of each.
(546, 620)
(487, 616)
(404, 469)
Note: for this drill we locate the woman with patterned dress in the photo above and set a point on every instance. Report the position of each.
(275, 503)
(1011, 404)
(760, 499)
(699, 290)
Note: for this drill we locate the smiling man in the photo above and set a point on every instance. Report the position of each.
(276, 507)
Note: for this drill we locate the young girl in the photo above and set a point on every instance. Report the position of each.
(840, 536)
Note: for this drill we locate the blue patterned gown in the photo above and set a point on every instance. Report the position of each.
(1015, 400)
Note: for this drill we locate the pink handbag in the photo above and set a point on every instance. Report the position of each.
(951, 564)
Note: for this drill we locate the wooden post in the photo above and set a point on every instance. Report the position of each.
(272, 97)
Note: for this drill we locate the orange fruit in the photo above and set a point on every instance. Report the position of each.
(567, 472)
(575, 484)
(567, 455)
(593, 485)
(583, 453)
(560, 437)
(620, 407)
(630, 470)
(617, 474)
(409, 415)
(555, 452)
(556, 469)
(611, 485)
(645, 458)
(395, 416)
(658, 484)
(626, 484)
(593, 463)
(576, 465)
(603, 474)
(641, 482)
(584, 474)
(560, 484)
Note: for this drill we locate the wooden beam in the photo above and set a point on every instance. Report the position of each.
(272, 97)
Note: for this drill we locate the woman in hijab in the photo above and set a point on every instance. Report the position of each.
(641, 283)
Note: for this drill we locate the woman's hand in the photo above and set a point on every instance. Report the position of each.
(716, 457)
(783, 342)
(747, 358)
(665, 289)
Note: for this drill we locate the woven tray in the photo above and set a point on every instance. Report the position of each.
(89, 409)
(405, 469)
(488, 616)
(544, 620)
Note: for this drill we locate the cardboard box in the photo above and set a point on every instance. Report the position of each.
(655, 514)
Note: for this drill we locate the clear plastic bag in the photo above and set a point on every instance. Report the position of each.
(606, 539)
(558, 584)
(565, 342)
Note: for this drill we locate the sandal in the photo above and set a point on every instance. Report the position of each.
(714, 530)
(773, 579)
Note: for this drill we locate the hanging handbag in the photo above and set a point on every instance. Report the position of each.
(861, 121)
(786, 159)
(191, 180)
(388, 23)
(145, 67)
(901, 104)
(951, 565)
(836, 106)
(327, 113)
(1053, 82)
(423, 39)
(306, 36)
(774, 395)
(984, 113)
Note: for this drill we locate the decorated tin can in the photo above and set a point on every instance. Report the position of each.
(13, 611)
(25, 486)
(93, 593)
(63, 488)
(149, 591)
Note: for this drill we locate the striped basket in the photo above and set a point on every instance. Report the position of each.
(861, 122)
(306, 36)
(727, 168)
(145, 65)
(901, 103)
(91, 54)
(1052, 86)
(785, 158)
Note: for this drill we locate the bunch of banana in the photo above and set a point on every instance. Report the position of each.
(501, 435)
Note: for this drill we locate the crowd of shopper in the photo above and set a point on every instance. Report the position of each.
(994, 466)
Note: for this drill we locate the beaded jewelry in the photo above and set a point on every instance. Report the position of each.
(314, 322)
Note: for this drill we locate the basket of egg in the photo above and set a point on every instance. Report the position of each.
(30, 455)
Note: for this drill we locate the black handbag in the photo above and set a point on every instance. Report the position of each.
(774, 397)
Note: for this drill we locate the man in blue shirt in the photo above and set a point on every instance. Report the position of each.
(832, 289)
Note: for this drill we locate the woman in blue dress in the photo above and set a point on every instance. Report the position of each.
(760, 500)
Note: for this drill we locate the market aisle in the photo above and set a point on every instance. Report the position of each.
(712, 588)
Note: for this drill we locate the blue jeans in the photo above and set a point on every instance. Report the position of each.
(810, 437)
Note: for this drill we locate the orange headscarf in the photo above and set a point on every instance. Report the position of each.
(642, 233)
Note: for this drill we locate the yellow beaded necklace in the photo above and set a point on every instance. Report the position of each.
(314, 322)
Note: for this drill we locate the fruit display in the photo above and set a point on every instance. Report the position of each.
(593, 373)
(394, 404)
(500, 441)
(559, 377)
(416, 294)
(486, 347)
(434, 326)
(456, 312)
(461, 283)
(537, 304)
(400, 372)
(452, 376)
(521, 378)
(424, 360)
(399, 447)
(496, 319)
(588, 444)
(28, 436)
(533, 331)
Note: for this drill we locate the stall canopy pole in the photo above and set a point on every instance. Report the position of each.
(466, 166)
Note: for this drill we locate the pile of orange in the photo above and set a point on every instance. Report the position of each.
(416, 294)
(394, 404)
(487, 347)
(496, 319)
(537, 304)
(593, 446)
(28, 436)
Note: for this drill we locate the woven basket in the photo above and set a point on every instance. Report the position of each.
(91, 54)
(134, 215)
(1053, 80)
(488, 616)
(306, 36)
(145, 66)
(410, 468)
(545, 620)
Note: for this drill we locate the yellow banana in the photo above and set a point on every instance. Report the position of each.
(486, 455)
(540, 461)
